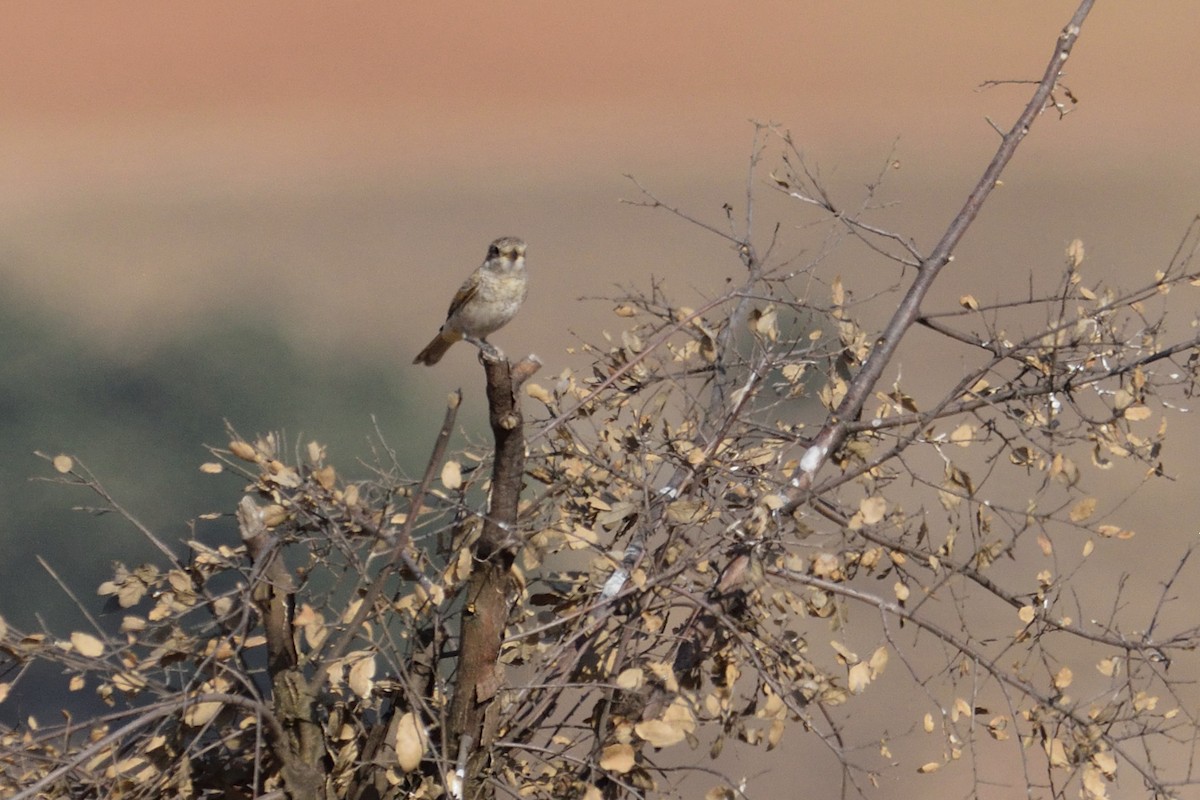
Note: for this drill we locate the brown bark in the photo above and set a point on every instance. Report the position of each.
(489, 594)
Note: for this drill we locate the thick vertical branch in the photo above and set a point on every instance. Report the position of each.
(488, 593)
(301, 754)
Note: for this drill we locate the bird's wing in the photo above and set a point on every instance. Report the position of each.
(465, 292)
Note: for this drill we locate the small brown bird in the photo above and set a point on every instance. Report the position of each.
(486, 301)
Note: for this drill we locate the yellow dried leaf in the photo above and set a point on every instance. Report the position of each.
(411, 742)
(1026, 614)
(63, 464)
(1083, 509)
(1063, 678)
(878, 661)
(927, 722)
(452, 475)
(86, 644)
(632, 678)
(845, 655)
(537, 392)
(274, 514)
(998, 728)
(1075, 253)
(129, 682)
(1094, 787)
(212, 468)
(969, 302)
(659, 733)
(1106, 763)
(929, 767)
(244, 450)
(362, 676)
(1057, 753)
(872, 509)
(961, 709)
(962, 435)
(617, 758)
(1107, 667)
(837, 291)
(685, 511)
(1137, 413)
(679, 714)
(826, 565)
(326, 476)
(859, 677)
(201, 713)
(901, 590)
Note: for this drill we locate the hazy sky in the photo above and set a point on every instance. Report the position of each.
(164, 160)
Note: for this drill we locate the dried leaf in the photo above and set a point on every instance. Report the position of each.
(362, 675)
(452, 475)
(537, 392)
(685, 511)
(1106, 763)
(1137, 413)
(878, 662)
(1094, 786)
(963, 435)
(872, 509)
(1057, 753)
(765, 323)
(632, 678)
(859, 677)
(411, 742)
(326, 476)
(837, 292)
(63, 464)
(87, 645)
(1075, 253)
(617, 758)
(201, 713)
(998, 728)
(244, 450)
(1083, 509)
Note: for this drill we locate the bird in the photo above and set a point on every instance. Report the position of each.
(486, 302)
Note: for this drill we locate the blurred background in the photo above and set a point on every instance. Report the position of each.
(259, 212)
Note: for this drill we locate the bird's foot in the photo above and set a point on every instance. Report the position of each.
(487, 350)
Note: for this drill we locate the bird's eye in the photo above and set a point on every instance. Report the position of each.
(493, 251)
